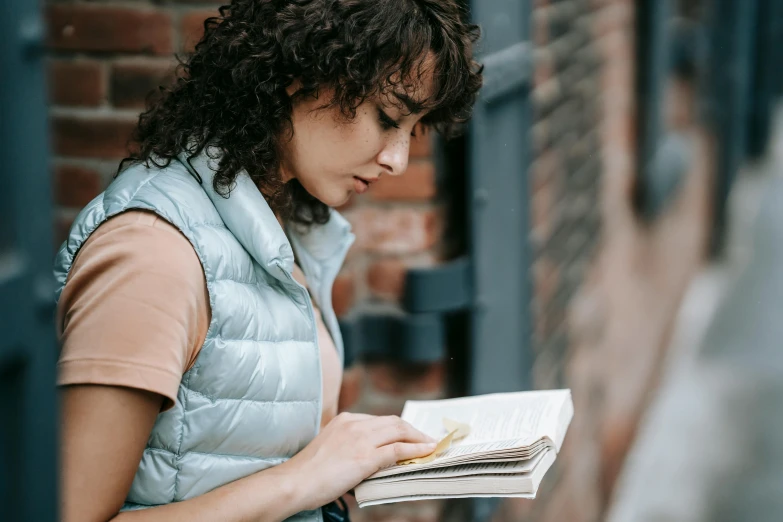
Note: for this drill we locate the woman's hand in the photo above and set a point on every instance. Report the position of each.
(351, 448)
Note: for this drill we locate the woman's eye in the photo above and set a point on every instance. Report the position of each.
(386, 122)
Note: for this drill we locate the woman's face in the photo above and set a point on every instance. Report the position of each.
(334, 158)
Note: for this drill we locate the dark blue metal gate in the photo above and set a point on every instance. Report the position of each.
(499, 201)
(28, 456)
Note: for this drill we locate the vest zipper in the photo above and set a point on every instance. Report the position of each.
(314, 328)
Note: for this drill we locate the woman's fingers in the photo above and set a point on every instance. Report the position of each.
(393, 453)
(388, 430)
(354, 417)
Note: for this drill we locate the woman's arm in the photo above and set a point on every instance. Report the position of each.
(105, 430)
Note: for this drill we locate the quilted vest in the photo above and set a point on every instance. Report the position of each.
(252, 398)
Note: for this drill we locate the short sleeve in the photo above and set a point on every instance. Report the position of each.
(135, 308)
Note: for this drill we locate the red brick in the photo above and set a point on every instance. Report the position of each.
(544, 68)
(540, 135)
(382, 404)
(564, 500)
(343, 294)
(351, 388)
(191, 27)
(92, 137)
(615, 443)
(82, 27)
(417, 184)
(545, 169)
(587, 314)
(540, 27)
(546, 278)
(386, 279)
(612, 18)
(76, 82)
(513, 510)
(543, 206)
(133, 82)
(62, 225)
(76, 186)
(547, 96)
(679, 105)
(421, 145)
(406, 379)
(394, 231)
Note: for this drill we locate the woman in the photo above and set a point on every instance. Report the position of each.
(200, 353)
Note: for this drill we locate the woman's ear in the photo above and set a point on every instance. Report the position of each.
(293, 88)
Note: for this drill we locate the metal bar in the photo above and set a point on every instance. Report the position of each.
(731, 45)
(28, 442)
(664, 156)
(409, 338)
(492, 341)
(499, 199)
(762, 78)
(445, 288)
(506, 72)
(776, 58)
(651, 76)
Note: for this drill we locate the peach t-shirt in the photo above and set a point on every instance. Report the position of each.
(135, 311)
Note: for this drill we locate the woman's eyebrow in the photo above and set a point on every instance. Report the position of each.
(414, 106)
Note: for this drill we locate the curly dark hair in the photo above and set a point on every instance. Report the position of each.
(230, 93)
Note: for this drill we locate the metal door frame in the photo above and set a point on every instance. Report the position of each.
(28, 353)
(765, 75)
(499, 201)
(731, 42)
(664, 155)
(493, 335)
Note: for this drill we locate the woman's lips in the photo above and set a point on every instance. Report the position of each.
(360, 186)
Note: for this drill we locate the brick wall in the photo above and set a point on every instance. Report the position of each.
(108, 57)
(606, 286)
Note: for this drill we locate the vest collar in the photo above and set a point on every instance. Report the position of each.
(250, 219)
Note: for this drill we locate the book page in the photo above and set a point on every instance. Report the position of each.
(522, 417)
(483, 468)
(523, 485)
(438, 497)
(458, 455)
(504, 426)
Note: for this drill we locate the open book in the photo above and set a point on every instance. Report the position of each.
(510, 441)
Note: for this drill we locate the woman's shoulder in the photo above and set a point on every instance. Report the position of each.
(140, 238)
(135, 299)
(133, 221)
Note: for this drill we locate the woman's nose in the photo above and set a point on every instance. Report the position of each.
(394, 157)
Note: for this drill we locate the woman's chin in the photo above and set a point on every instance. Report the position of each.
(336, 200)
(330, 198)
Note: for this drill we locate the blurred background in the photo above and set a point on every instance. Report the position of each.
(611, 222)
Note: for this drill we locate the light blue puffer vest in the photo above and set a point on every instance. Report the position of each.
(253, 396)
